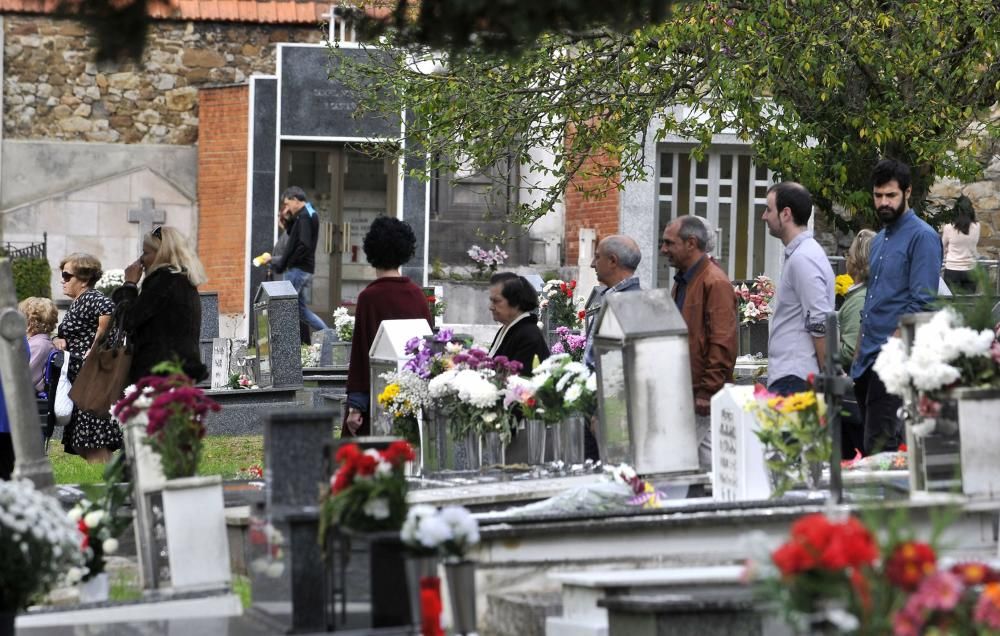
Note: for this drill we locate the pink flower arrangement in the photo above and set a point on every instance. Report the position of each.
(754, 302)
(569, 342)
(173, 411)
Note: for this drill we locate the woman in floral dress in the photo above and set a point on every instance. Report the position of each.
(91, 436)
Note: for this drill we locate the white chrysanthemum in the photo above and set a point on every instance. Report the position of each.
(464, 527)
(573, 393)
(890, 365)
(383, 469)
(591, 382)
(476, 390)
(93, 519)
(110, 546)
(76, 513)
(441, 386)
(414, 517)
(377, 508)
(433, 531)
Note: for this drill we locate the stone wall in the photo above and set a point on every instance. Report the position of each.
(985, 197)
(54, 89)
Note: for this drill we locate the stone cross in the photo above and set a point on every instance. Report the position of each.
(146, 216)
(19, 394)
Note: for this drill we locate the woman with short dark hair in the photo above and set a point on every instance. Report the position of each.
(512, 303)
(389, 244)
(90, 435)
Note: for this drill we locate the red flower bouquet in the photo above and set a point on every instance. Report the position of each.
(831, 572)
(173, 411)
(368, 491)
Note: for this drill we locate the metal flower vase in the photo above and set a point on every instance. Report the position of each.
(753, 338)
(567, 440)
(96, 589)
(979, 438)
(493, 450)
(461, 577)
(418, 567)
(535, 430)
(340, 354)
(468, 452)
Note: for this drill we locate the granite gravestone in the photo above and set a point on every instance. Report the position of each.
(279, 358)
(209, 325)
(146, 216)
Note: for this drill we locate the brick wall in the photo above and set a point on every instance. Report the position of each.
(591, 202)
(222, 187)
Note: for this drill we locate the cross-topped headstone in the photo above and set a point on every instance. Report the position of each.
(146, 216)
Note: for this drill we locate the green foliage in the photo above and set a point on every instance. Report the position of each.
(31, 277)
(821, 88)
(976, 310)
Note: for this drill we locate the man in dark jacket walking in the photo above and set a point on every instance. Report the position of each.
(298, 260)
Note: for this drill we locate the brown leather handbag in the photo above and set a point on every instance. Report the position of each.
(104, 373)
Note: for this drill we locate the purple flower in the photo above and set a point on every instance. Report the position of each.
(562, 331)
(413, 345)
(557, 348)
(445, 335)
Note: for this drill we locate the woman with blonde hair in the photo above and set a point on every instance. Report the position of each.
(87, 434)
(42, 315)
(163, 314)
(849, 318)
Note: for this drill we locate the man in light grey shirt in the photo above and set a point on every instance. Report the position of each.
(804, 297)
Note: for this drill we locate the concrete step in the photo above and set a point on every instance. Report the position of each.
(519, 613)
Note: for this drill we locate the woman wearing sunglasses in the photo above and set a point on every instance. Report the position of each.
(163, 314)
(88, 435)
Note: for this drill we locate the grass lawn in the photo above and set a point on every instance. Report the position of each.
(220, 455)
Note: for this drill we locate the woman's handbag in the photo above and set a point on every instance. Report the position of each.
(104, 374)
(62, 405)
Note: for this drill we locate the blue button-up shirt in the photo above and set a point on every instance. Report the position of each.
(904, 268)
(802, 301)
(683, 278)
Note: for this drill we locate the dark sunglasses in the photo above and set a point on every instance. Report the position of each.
(157, 233)
(66, 276)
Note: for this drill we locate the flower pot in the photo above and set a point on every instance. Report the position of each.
(979, 439)
(340, 354)
(493, 450)
(534, 430)
(387, 576)
(461, 579)
(95, 589)
(753, 338)
(418, 567)
(567, 440)
(434, 444)
(467, 452)
(197, 544)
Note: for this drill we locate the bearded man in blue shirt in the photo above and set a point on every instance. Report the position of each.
(904, 267)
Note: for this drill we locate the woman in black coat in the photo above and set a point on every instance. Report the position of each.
(512, 303)
(163, 316)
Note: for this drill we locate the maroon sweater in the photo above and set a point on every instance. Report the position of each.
(390, 298)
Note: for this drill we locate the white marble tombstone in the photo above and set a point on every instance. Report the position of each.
(738, 469)
(222, 349)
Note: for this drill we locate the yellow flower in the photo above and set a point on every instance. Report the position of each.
(388, 395)
(842, 283)
(799, 402)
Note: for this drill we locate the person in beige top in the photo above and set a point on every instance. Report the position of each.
(959, 240)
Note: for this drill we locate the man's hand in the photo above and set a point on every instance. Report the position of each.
(354, 420)
(702, 406)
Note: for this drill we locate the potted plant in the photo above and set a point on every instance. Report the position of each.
(561, 392)
(343, 323)
(834, 575)
(101, 525)
(448, 533)
(486, 261)
(404, 397)
(794, 435)
(39, 547)
(950, 381)
(557, 302)
(753, 308)
(366, 502)
(470, 393)
(173, 411)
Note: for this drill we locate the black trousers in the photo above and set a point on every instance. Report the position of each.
(960, 281)
(883, 430)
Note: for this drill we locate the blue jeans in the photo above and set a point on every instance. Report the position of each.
(300, 281)
(788, 384)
